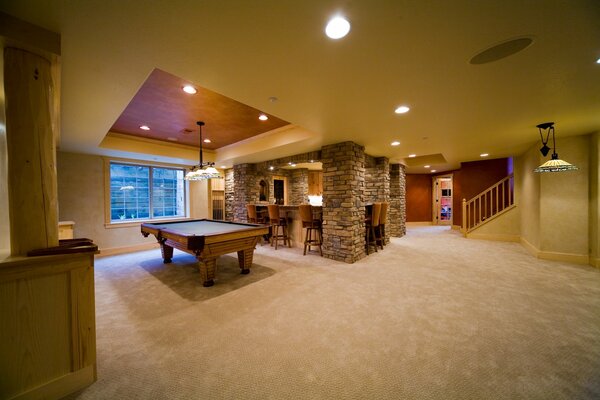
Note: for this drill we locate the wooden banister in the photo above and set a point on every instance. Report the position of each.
(493, 201)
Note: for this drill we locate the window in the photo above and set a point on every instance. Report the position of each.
(145, 192)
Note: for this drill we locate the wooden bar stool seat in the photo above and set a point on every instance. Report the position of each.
(277, 222)
(256, 217)
(380, 230)
(314, 235)
(371, 224)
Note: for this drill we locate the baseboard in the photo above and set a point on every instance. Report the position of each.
(62, 386)
(565, 257)
(530, 248)
(457, 227)
(111, 251)
(419, 223)
(595, 262)
(499, 237)
(555, 256)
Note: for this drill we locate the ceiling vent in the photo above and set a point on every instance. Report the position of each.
(502, 50)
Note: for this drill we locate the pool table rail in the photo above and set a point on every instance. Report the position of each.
(206, 248)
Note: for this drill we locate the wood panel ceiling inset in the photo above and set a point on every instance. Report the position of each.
(171, 114)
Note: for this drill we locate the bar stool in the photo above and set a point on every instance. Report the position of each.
(277, 222)
(371, 224)
(380, 231)
(256, 217)
(313, 226)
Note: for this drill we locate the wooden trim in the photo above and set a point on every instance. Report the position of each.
(111, 251)
(29, 267)
(556, 256)
(566, 257)
(106, 169)
(285, 187)
(595, 262)
(133, 224)
(530, 248)
(62, 386)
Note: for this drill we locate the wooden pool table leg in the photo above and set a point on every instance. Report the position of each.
(166, 250)
(245, 260)
(208, 268)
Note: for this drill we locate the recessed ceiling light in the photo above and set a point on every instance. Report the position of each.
(206, 140)
(402, 110)
(293, 165)
(426, 166)
(483, 155)
(263, 117)
(337, 28)
(271, 168)
(395, 143)
(598, 61)
(145, 127)
(189, 89)
(434, 170)
(412, 155)
(223, 166)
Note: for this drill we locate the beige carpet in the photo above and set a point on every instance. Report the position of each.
(433, 316)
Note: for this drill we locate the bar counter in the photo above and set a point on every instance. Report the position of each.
(292, 213)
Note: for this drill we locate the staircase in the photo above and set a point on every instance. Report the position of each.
(489, 204)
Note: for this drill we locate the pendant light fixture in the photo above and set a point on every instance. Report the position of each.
(204, 170)
(555, 164)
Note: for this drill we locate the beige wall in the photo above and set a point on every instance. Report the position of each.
(594, 202)
(558, 213)
(564, 201)
(506, 227)
(527, 194)
(81, 199)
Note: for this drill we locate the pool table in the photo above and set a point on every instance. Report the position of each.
(207, 239)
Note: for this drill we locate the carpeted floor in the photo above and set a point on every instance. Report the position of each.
(433, 316)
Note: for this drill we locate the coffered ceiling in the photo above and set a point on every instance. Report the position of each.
(168, 113)
(397, 53)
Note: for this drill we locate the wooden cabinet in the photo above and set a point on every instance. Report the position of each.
(315, 183)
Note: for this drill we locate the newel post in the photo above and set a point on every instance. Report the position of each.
(464, 217)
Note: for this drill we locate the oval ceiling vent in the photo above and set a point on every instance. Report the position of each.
(502, 50)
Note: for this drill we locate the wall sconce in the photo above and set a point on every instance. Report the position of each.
(204, 170)
(555, 164)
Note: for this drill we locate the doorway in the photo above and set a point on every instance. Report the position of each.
(442, 200)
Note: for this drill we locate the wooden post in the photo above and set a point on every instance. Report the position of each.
(464, 217)
(32, 194)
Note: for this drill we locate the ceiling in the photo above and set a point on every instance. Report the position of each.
(170, 114)
(397, 52)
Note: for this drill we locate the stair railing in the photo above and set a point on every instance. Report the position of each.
(491, 202)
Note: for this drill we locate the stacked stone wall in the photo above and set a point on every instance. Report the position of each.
(229, 194)
(377, 182)
(343, 204)
(396, 226)
(298, 186)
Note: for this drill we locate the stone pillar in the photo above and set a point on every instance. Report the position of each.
(298, 186)
(377, 179)
(32, 194)
(343, 205)
(229, 194)
(396, 226)
(245, 190)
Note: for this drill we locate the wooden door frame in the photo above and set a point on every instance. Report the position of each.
(435, 209)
